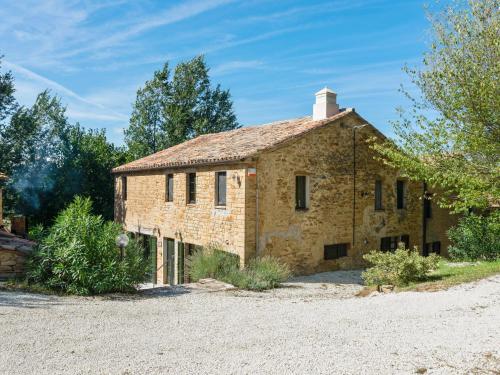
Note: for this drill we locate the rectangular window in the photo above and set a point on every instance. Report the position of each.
(335, 251)
(436, 247)
(406, 240)
(169, 189)
(191, 188)
(301, 192)
(400, 191)
(378, 195)
(220, 188)
(427, 208)
(124, 188)
(391, 243)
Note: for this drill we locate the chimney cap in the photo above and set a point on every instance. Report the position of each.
(325, 90)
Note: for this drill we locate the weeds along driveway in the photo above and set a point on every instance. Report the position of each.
(195, 331)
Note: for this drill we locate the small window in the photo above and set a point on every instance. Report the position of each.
(400, 190)
(378, 195)
(191, 188)
(406, 240)
(124, 188)
(391, 243)
(427, 206)
(169, 189)
(436, 247)
(335, 251)
(220, 188)
(301, 200)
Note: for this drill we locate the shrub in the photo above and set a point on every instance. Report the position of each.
(210, 262)
(79, 255)
(265, 273)
(260, 273)
(398, 268)
(476, 238)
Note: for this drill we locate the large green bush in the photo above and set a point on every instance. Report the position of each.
(78, 255)
(398, 268)
(260, 273)
(476, 238)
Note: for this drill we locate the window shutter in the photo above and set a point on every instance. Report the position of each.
(221, 188)
(300, 192)
(124, 188)
(427, 208)
(170, 188)
(400, 190)
(378, 194)
(192, 188)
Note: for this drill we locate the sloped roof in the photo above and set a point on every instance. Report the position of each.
(229, 146)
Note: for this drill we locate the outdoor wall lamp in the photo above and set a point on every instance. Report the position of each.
(122, 242)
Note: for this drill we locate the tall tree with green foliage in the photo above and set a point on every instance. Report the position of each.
(49, 161)
(168, 111)
(7, 100)
(451, 136)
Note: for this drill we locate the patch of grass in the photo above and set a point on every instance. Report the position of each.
(449, 274)
(260, 273)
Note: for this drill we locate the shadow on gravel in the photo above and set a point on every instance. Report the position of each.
(28, 301)
(156, 292)
(334, 277)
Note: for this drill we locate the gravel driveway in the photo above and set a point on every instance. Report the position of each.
(311, 326)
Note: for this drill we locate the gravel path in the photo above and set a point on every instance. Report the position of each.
(304, 328)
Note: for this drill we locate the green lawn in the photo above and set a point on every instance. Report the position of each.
(449, 274)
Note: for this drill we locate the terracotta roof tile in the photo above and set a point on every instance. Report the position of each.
(230, 145)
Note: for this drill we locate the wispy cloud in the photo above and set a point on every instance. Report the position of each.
(236, 65)
(66, 92)
(172, 15)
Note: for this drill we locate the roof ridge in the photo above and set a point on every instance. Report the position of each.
(230, 145)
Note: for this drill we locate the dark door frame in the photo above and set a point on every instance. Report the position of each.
(168, 260)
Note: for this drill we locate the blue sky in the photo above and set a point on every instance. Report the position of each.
(272, 55)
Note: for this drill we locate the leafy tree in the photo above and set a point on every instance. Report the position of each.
(7, 101)
(50, 161)
(451, 136)
(168, 111)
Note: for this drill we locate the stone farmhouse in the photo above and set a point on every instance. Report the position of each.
(308, 191)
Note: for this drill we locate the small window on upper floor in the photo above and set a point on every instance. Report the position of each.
(301, 192)
(400, 194)
(169, 188)
(191, 188)
(220, 188)
(378, 195)
(428, 206)
(124, 188)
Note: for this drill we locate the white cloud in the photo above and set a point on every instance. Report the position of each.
(29, 84)
(231, 66)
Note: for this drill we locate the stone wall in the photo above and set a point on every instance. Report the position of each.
(14, 251)
(12, 263)
(146, 211)
(260, 215)
(326, 157)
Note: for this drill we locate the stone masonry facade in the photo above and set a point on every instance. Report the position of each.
(260, 216)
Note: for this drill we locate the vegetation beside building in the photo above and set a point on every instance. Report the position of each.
(78, 255)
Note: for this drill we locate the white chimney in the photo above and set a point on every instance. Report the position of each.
(326, 104)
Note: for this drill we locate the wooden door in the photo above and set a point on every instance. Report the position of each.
(169, 256)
